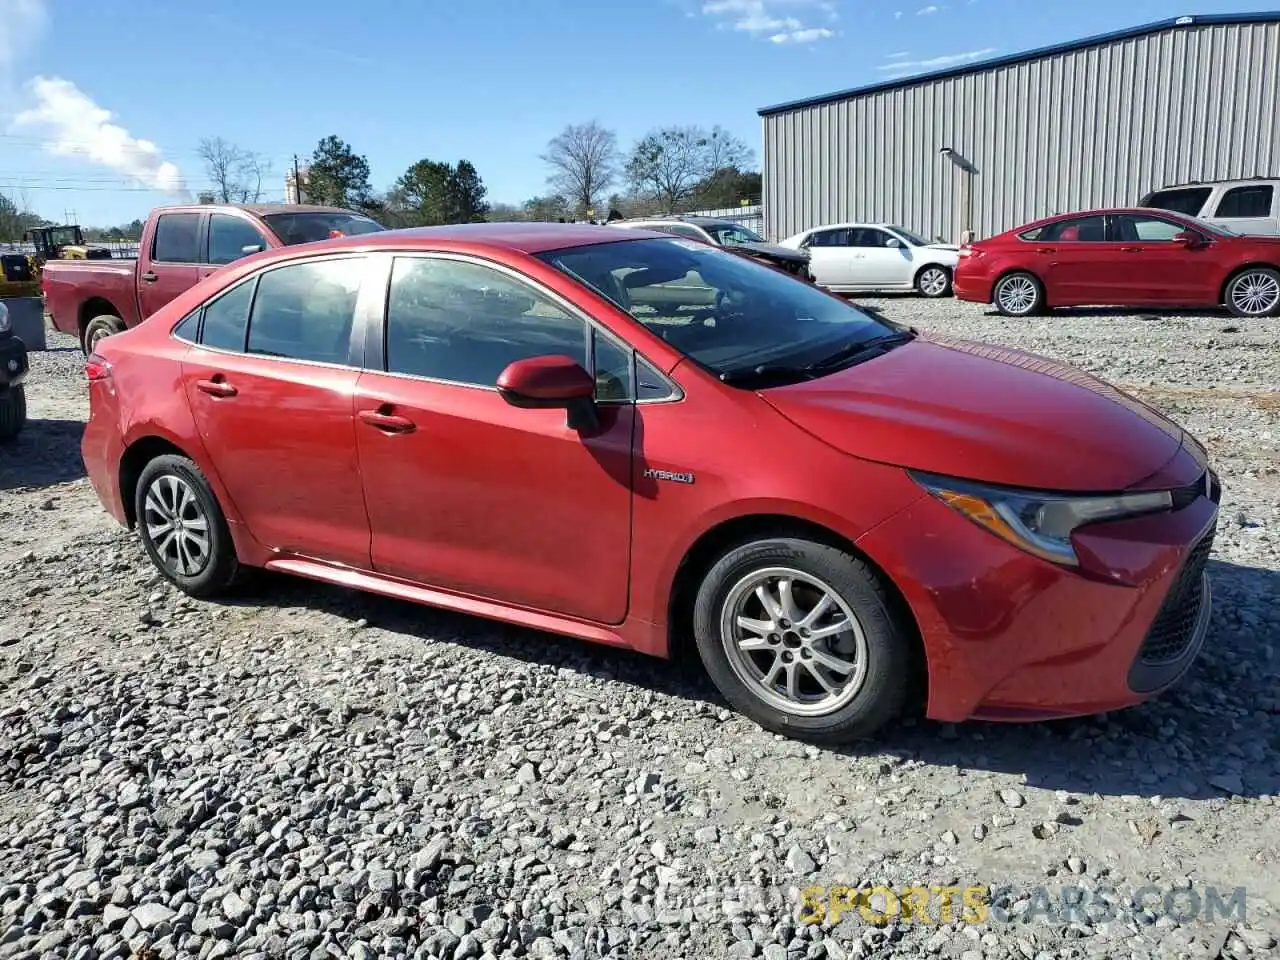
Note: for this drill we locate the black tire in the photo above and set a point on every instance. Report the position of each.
(1006, 284)
(103, 325)
(13, 412)
(926, 286)
(220, 567)
(888, 678)
(1263, 283)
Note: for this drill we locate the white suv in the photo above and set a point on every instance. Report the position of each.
(1245, 206)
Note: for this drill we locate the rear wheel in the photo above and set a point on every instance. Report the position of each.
(933, 281)
(99, 328)
(183, 529)
(801, 637)
(1018, 295)
(1254, 292)
(13, 412)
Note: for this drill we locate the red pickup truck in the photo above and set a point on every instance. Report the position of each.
(180, 246)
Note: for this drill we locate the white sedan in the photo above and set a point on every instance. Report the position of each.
(851, 257)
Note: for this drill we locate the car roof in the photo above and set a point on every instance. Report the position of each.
(851, 224)
(1102, 212)
(683, 218)
(519, 237)
(260, 209)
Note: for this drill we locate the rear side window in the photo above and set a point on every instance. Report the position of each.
(1254, 201)
(229, 236)
(177, 238)
(305, 311)
(1188, 200)
(226, 318)
(1077, 230)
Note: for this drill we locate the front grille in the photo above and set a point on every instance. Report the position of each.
(1171, 632)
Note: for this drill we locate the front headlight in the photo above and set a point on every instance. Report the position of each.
(1040, 523)
(4, 318)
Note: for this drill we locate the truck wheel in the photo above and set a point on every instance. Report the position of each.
(13, 412)
(103, 325)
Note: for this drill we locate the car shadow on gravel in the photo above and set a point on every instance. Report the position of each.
(45, 453)
(1131, 313)
(1216, 734)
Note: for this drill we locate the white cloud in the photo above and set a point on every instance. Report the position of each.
(936, 63)
(778, 21)
(897, 14)
(898, 56)
(927, 11)
(72, 125)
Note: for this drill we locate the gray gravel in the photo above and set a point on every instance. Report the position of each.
(307, 772)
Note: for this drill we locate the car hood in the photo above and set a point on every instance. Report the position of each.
(986, 413)
(949, 247)
(774, 250)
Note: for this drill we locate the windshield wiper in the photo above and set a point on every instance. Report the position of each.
(861, 350)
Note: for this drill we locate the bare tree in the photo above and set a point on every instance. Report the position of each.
(584, 162)
(668, 164)
(722, 149)
(236, 173)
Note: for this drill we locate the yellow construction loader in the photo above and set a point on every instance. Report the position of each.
(63, 243)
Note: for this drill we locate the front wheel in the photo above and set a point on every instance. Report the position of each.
(1254, 292)
(99, 328)
(933, 281)
(1018, 295)
(801, 637)
(183, 529)
(13, 412)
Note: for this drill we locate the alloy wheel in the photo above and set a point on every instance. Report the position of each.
(933, 282)
(1256, 294)
(794, 642)
(177, 526)
(1017, 295)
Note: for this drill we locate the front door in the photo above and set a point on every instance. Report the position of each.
(230, 237)
(876, 263)
(272, 395)
(470, 494)
(174, 264)
(1156, 270)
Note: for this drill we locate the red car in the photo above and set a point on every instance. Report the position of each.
(1127, 258)
(495, 418)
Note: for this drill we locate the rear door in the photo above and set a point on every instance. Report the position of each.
(271, 384)
(1079, 265)
(172, 265)
(830, 257)
(1250, 209)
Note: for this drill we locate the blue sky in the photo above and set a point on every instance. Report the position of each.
(489, 80)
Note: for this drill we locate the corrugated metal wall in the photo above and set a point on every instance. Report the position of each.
(1089, 128)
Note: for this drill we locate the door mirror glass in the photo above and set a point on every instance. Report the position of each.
(549, 382)
(1186, 238)
(893, 243)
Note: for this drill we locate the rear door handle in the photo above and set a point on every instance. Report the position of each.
(148, 277)
(217, 387)
(387, 422)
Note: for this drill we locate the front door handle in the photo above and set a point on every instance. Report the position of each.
(387, 422)
(1130, 249)
(217, 387)
(1046, 250)
(148, 277)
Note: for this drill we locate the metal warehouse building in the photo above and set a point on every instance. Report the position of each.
(991, 145)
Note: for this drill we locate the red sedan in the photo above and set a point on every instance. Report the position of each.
(1127, 258)
(635, 439)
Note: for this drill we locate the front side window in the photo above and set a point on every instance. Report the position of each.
(464, 322)
(227, 318)
(1188, 200)
(867, 237)
(727, 312)
(733, 235)
(230, 236)
(177, 238)
(305, 311)
(1254, 201)
(1146, 229)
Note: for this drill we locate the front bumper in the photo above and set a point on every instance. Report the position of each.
(14, 365)
(1008, 636)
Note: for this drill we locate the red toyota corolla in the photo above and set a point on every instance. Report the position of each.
(1126, 258)
(636, 439)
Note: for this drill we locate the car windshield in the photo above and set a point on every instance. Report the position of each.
(727, 313)
(294, 228)
(913, 238)
(730, 234)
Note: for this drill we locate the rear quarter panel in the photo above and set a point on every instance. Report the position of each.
(71, 285)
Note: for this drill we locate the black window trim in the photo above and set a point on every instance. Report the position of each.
(202, 238)
(376, 337)
(369, 286)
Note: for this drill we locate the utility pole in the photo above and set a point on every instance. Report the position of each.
(297, 181)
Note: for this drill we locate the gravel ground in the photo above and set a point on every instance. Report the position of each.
(307, 772)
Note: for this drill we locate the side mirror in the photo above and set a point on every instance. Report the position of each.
(251, 248)
(1186, 239)
(893, 243)
(541, 383)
